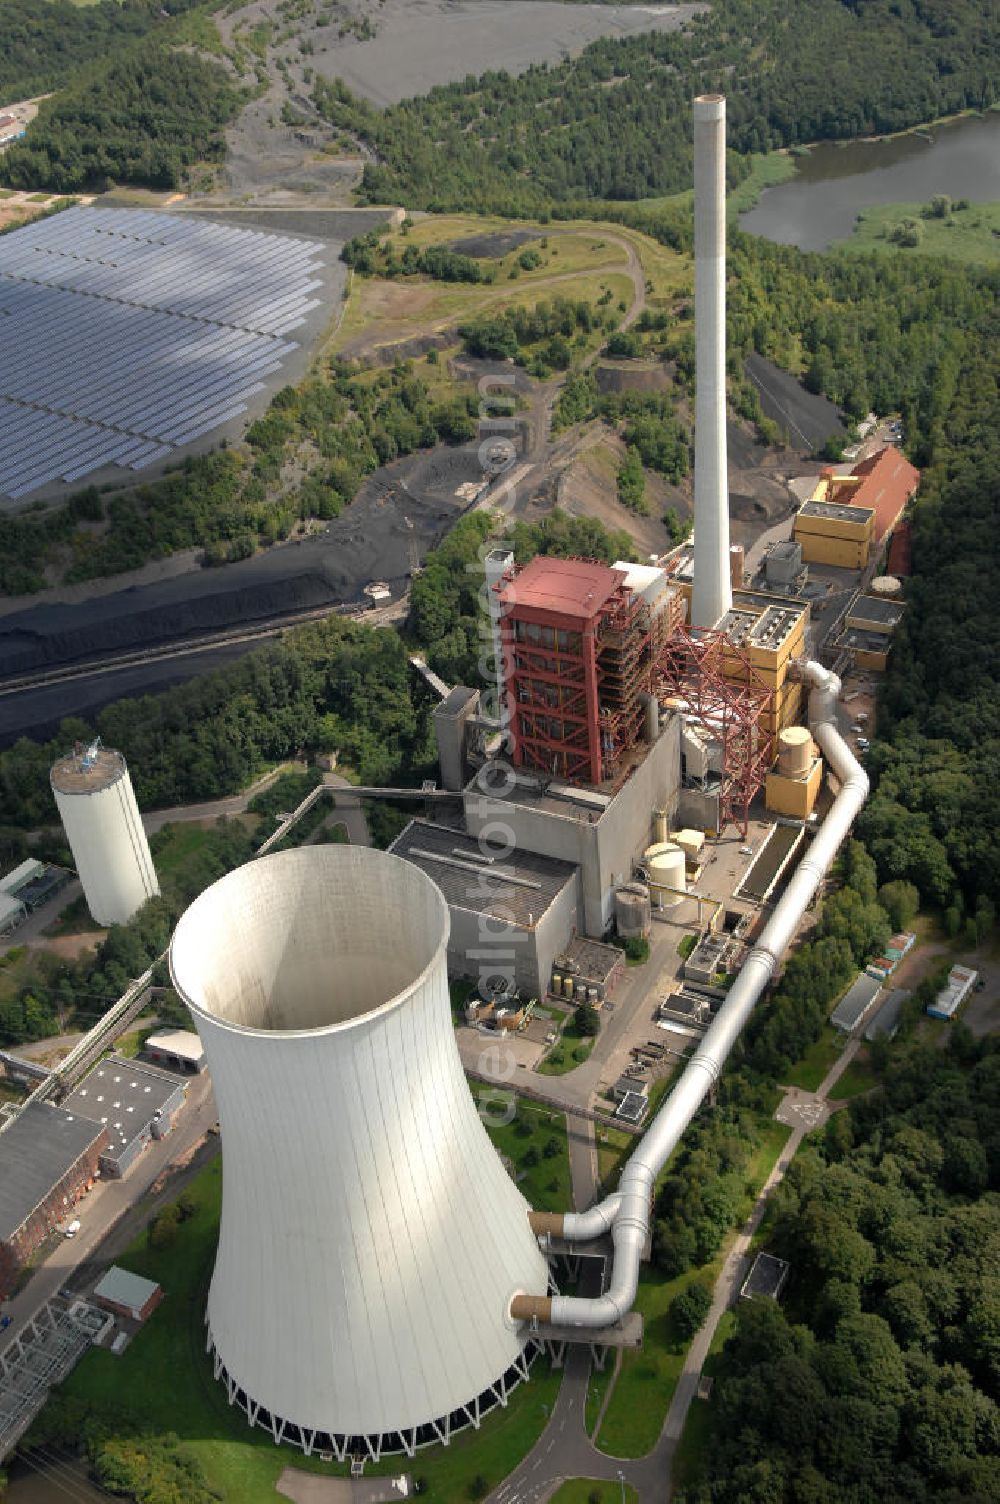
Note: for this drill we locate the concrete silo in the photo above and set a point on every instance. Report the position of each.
(370, 1239)
(93, 794)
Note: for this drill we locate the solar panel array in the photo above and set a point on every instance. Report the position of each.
(126, 334)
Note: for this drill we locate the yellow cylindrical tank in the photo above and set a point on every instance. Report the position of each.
(556, 983)
(567, 987)
(795, 751)
(661, 826)
(665, 863)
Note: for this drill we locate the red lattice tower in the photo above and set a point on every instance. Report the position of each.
(729, 706)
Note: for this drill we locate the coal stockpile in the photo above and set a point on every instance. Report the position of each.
(402, 511)
(38, 712)
(808, 419)
(500, 243)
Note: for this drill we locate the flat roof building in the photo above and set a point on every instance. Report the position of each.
(133, 1102)
(961, 980)
(127, 1294)
(48, 1159)
(510, 914)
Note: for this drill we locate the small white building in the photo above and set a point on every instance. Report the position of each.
(180, 1049)
(961, 980)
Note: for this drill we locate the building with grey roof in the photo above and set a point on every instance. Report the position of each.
(856, 1003)
(134, 1102)
(48, 1158)
(511, 912)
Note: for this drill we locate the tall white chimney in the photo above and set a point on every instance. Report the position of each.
(712, 594)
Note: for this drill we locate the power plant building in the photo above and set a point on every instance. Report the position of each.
(135, 1103)
(849, 514)
(96, 804)
(48, 1159)
(371, 1240)
(532, 900)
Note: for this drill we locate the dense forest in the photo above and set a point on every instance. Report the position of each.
(879, 1376)
(45, 42)
(615, 122)
(144, 116)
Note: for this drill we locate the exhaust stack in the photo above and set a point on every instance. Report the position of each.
(712, 594)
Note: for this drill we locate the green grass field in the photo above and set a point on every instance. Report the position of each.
(766, 172)
(164, 1382)
(858, 1078)
(586, 1490)
(645, 1387)
(971, 234)
(571, 1050)
(534, 1141)
(808, 1072)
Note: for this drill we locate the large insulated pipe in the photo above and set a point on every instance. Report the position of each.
(712, 593)
(627, 1213)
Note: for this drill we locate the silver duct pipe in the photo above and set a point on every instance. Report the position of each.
(628, 1211)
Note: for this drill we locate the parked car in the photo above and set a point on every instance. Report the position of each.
(73, 1228)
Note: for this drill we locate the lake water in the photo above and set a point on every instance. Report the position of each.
(834, 183)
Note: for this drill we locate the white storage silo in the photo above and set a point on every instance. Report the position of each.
(370, 1239)
(665, 862)
(93, 794)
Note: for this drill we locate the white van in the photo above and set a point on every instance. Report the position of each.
(73, 1228)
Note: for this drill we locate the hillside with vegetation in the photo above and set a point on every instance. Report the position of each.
(879, 1375)
(614, 123)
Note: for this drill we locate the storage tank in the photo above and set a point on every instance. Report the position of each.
(632, 911)
(661, 825)
(665, 863)
(94, 797)
(795, 751)
(736, 565)
(370, 1240)
(887, 585)
(556, 985)
(568, 987)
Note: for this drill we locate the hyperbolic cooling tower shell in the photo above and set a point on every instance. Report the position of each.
(371, 1239)
(96, 804)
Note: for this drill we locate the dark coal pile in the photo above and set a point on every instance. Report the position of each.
(38, 712)
(402, 511)
(501, 243)
(807, 419)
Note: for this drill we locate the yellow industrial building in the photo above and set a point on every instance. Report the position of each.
(793, 785)
(834, 533)
(769, 636)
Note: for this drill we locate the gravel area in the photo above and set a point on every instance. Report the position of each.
(421, 43)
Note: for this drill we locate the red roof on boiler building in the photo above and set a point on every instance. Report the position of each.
(569, 587)
(889, 480)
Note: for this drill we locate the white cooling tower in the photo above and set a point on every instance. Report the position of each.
(370, 1239)
(93, 794)
(712, 593)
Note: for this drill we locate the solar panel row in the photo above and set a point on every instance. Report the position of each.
(125, 335)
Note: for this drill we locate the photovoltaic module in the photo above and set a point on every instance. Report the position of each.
(125, 335)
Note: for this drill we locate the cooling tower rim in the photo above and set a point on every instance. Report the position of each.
(317, 856)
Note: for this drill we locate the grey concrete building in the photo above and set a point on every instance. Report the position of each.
(597, 832)
(133, 1102)
(510, 913)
